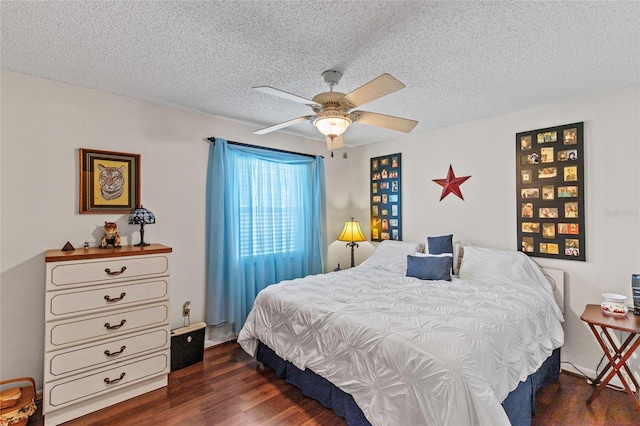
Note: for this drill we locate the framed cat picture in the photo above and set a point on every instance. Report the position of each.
(109, 181)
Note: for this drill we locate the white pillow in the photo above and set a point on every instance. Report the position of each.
(420, 254)
(392, 255)
(457, 259)
(507, 267)
(481, 263)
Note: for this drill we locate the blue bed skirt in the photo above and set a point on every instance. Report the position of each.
(520, 404)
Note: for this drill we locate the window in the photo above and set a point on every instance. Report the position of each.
(270, 206)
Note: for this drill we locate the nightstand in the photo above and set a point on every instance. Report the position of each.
(629, 323)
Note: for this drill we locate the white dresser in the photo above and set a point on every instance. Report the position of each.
(107, 331)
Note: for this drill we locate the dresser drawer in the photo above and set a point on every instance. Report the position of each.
(77, 359)
(94, 271)
(81, 330)
(95, 299)
(77, 388)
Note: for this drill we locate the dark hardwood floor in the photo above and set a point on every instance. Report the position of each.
(228, 389)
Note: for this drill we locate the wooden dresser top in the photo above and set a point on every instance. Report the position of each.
(98, 253)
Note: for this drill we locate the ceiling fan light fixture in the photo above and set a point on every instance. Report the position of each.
(332, 125)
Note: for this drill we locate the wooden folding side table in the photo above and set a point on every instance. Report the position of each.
(629, 323)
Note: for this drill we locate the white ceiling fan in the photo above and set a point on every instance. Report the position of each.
(333, 110)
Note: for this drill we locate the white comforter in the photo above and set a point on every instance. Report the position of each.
(411, 352)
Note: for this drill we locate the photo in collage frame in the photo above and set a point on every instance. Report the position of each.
(550, 192)
(386, 211)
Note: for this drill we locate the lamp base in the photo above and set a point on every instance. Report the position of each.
(353, 259)
(142, 243)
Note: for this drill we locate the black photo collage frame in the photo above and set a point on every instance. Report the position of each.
(386, 199)
(550, 192)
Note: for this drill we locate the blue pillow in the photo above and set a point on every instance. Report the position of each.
(439, 245)
(429, 267)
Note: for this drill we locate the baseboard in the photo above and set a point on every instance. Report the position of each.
(217, 334)
(218, 341)
(615, 382)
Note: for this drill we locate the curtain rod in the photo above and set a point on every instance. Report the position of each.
(213, 141)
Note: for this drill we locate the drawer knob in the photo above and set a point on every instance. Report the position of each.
(107, 353)
(115, 327)
(110, 382)
(115, 299)
(108, 271)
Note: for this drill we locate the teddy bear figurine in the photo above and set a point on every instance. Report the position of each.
(110, 237)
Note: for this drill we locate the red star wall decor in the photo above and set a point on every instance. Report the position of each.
(451, 185)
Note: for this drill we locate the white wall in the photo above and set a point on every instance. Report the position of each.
(43, 125)
(485, 149)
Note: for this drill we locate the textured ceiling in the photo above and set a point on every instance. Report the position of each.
(460, 61)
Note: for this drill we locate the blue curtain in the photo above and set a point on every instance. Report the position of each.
(266, 223)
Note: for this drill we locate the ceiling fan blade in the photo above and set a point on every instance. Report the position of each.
(336, 143)
(281, 125)
(376, 88)
(285, 95)
(387, 121)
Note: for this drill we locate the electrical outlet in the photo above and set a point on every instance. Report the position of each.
(186, 309)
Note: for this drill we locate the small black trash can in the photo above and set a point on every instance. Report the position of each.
(187, 345)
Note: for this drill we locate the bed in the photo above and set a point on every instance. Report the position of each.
(412, 351)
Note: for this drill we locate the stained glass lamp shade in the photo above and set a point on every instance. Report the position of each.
(143, 217)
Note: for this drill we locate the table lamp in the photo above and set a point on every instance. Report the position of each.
(352, 233)
(143, 217)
